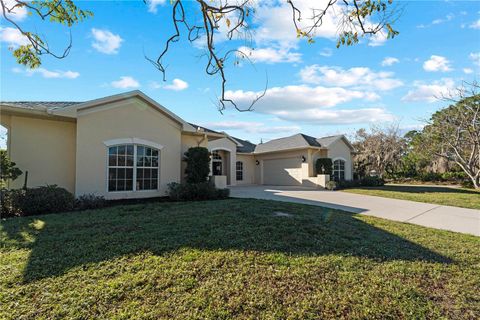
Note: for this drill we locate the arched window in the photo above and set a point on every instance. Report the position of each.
(132, 167)
(239, 170)
(216, 163)
(339, 170)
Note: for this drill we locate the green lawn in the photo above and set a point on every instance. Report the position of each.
(457, 197)
(233, 259)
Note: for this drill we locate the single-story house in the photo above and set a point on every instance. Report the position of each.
(128, 145)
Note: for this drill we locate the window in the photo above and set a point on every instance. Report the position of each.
(338, 170)
(132, 167)
(216, 163)
(239, 168)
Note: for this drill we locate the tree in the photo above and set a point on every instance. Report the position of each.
(64, 12)
(380, 150)
(8, 169)
(198, 164)
(454, 132)
(208, 20)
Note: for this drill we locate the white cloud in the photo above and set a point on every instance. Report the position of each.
(475, 57)
(270, 55)
(378, 39)
(125, 82)
(312, 104)
(105, 41)
(467, 70)
(429, 92)
(437, 63)
(58, 74)
(448, 17)
(14, 11)
(326, 52)
(358, 77)
(388, 61)
(250, 127)
(13, 37)
(177, 85)
(475, 25)
(153, 4)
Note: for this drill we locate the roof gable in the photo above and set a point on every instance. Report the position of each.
(293, 142)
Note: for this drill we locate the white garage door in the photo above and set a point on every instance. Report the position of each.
(282, 172)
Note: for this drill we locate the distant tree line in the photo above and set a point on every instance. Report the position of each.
(446, 149)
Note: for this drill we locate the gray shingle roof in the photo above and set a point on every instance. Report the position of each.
(39, 105)
(293, 142)
(203, 128)
(247, 147)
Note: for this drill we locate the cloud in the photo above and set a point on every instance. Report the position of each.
(177, 85)
(125, 82)
(250, 127)
(326, 52)
(105, 41)
(467, 70)
(58, 74)
(270, 55)
(475, 57)
(309, 104)
(389, 61)
(429, 92)
(153, 4)
(437, 63)
(448, 17)
(14, 11)
(378, 39)
(358, 77)
(13, 37)
(475, 25)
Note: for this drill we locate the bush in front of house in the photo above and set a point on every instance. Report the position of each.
(90, 201)
(32, 201)
(364, 182)
(324, 166)
(198, 164)
(331, 185)
(195, 191)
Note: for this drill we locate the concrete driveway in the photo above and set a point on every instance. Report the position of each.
(424, 214)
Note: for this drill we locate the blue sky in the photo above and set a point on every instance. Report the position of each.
(312, 88)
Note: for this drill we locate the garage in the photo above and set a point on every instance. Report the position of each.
(282, 172)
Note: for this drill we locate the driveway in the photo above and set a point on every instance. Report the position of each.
(424, 214)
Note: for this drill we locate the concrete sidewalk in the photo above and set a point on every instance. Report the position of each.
(424, 214)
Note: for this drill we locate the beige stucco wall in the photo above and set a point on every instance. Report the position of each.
(340, 150)
(45, 148)
(189, 141)
(132, 118)
(230, 157)
(248, 168)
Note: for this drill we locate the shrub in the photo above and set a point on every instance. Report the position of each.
(372, 182)
(90, 201)
(9, 203)
(31, 201)
(324, 166)
(8, 169)
(198, 164)
(195, 191)
(331, 185)
(48, 199)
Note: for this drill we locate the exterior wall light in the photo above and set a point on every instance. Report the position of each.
(303, 159)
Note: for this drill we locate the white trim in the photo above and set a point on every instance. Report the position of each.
(221, 148)
(114, 142)
(338, 158)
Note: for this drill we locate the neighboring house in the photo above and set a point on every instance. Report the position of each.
(128, 146)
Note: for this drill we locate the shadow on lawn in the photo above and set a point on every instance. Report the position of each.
(71, 240)
(421, 189)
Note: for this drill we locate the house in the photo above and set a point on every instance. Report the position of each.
(129, 146)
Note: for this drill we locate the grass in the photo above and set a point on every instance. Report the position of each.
(457, 197)
(233, 259)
